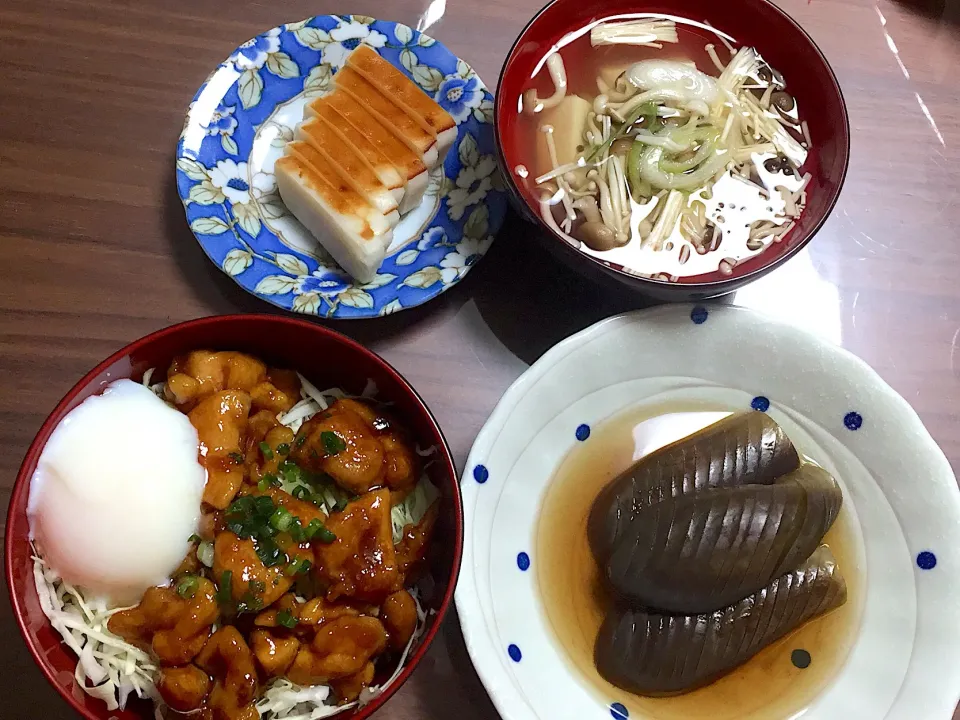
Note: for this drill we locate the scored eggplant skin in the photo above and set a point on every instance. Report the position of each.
(742, 449)
(700, 552)
(648, 653)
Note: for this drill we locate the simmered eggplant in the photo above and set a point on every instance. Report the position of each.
(649, 653)
(743, 449)
(702, 551)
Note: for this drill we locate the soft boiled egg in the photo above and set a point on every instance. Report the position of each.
(116, 493)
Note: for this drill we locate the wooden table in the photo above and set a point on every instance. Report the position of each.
(97, 252)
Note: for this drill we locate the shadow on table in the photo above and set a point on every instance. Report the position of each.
(946, 11)
(463, 696)
(27, 694)
(531, 301)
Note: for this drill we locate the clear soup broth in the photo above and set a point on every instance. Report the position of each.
(654, 160)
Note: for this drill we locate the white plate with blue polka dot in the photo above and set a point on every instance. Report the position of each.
(248, 109)
(903, 663)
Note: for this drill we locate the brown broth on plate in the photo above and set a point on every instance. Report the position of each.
(769, 685)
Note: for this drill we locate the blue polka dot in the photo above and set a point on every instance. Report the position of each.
(481, 474)
(583, 432)
(514, 652)
(926, 560)
(523, 561)
(852, 420)
(760, 403)
(619, 712)
(699, 315)
(801, 659)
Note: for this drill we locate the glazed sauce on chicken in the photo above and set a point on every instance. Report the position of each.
(770, 684)
(303, 579)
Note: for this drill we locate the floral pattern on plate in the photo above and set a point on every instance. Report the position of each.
(248, 109)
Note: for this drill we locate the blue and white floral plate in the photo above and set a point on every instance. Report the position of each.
(899, 492)
(247, 110)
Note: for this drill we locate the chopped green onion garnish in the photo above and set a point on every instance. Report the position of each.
(224, 592)
(297, 566)
(291, 473)
(300, 441)
(283, 449)
(194, 538)
(301, 493)
(187, 587)
(272, 480)
(249, 603)
(205, 553)
(286, 618)
(332, 442)
(263, 484)
(269, 554)
(267, 452)
(237, 457)
(306, 586)
(296, 532)
(282, 520)
(256, 586)
(325, 535)
(312, 528)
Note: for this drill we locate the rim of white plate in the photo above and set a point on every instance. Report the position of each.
(928, 686)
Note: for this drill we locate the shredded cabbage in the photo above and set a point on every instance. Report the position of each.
(413, 508)
(108, 667)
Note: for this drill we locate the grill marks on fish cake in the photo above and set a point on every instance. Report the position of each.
(698, 552)
(657, 654)
(748, 448)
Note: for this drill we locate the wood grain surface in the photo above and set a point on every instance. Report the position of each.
(96, 251)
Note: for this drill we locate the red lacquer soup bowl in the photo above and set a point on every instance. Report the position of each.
(758, 23)
(326, 358)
